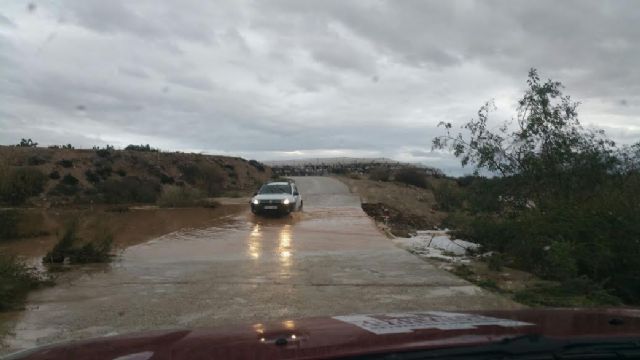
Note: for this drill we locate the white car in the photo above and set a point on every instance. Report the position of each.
(277, 197)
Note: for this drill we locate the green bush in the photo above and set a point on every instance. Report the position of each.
(104, 152)
(597, 239)
(68, 146)
(577, 292)
(411, 176)
(18, 184)
(62, 189)
(91, 176)
(565, 204)
(66, 163)
(483, 195)
(180, 196)
(102, 172)
(27, 143)
(70, 180)
(129, 189)
(16, 280)
(207, 177)
(36, 160)
(496, 262)
(467, 180)
(72, 249)
(143, 148)
(54, 175)
(103, 169)
(166, 179)
(9, 224)
(448, 196)
(560, 260)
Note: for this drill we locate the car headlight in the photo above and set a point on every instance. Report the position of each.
(285, 201)
(255, 201)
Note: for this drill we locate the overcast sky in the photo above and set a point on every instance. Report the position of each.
(294, 79)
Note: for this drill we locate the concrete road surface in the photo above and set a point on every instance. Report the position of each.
(328, 260)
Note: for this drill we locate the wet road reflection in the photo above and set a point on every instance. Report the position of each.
(289, 324)
(262, 239)
(284, 248)
(255, 242)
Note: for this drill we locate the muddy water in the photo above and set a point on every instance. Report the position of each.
(328, 260)
(128, 228)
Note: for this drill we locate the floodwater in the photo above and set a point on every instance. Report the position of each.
(328, 260)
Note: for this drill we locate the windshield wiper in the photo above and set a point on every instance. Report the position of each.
(527, 347)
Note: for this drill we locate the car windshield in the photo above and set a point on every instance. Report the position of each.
(186, 164)
(275, 189)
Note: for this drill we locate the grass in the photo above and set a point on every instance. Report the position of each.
(578, 292)
(412, 176)
(72, 249)
(181, 196)
(8, 224)
(561, 296)
(16, 280)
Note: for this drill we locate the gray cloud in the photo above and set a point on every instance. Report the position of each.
(420, 153)
(5, 21)
(282, 78)
(134, 72)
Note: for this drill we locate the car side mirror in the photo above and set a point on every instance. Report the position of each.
(295, 193)
(255, 193)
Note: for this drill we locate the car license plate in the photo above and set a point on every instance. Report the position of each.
(270, 207)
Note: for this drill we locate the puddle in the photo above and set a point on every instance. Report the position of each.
(129, 228)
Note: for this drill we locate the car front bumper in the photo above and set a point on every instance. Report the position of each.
(282, 208)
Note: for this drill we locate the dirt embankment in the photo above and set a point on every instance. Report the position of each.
(121, 176)
(56, 185)
(401, 208)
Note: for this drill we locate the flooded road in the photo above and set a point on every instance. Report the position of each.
(328, 260)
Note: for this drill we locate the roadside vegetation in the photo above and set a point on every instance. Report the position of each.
(144, 148)
(140, 174)
(563, 201)
(180, 196)
(16, 280)
(411, 176)
(73, 249)
(18, 184)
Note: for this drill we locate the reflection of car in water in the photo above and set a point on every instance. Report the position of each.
(518, 334)
(281, 197)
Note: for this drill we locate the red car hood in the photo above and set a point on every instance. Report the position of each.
(335, 337)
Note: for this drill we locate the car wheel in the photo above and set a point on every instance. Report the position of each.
(301, 204)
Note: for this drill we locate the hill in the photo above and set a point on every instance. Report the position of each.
(42, 176)
(331, 161)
